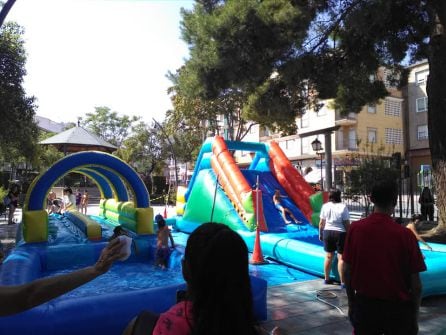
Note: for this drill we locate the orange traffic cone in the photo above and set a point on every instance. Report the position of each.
(257, 256)
(165, 212)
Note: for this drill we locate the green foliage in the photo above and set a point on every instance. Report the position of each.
(110, 126)
(197, 118)
(143, 149)
(18, 135)
(45, 156)
(284, 55)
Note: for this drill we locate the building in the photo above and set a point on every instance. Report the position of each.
(377, 129)
(416, 130)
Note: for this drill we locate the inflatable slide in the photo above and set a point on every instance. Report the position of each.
(220, 191)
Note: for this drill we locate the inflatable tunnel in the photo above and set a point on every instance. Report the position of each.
(119, 185)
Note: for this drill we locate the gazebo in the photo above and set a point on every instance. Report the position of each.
(78, 139)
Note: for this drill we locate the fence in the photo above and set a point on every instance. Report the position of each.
(407, 201)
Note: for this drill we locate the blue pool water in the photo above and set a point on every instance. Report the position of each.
(129, 276)
(124, 277)
(138, 272)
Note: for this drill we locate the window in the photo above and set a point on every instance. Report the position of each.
(305, 120)
(422, 105)
(352, 142)
(394, 136)
(392, 107)
(290, 144)
(421, 77)
(371, 108)
(422, 132)
(371, 135)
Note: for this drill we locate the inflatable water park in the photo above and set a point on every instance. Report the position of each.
(219, 191)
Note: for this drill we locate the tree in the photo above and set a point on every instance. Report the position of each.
(285, 55)
(109, 125)
(18, 136)
(46, 155)
(144, 150)
(202, 115)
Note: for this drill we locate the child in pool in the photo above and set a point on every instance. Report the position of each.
(162, 243)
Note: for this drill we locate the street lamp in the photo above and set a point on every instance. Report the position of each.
(317, 147)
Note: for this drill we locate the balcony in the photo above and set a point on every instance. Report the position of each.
(345, 120)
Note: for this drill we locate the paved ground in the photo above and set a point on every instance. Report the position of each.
(295, 307)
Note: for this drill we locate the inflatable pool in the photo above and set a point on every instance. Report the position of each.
(105, 305)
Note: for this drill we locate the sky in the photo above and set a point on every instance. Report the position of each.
(83, 54)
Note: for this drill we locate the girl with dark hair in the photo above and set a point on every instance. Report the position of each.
(333, 226)
(218, 300)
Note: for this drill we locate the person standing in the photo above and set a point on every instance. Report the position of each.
(49, 201)
(84, 202)
(78, 200)
(69, 199)
(382, 262)
(426, 202)
(13, 202)
(333, 226)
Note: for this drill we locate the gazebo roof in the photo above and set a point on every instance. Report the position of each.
(78, 139)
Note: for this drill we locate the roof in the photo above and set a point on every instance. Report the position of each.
(49, 125)
(78, 139)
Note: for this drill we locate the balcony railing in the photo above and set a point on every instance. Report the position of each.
(345, 120)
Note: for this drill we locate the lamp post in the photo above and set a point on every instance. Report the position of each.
(317, 147)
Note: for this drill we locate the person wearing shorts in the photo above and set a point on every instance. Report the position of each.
(333, 226)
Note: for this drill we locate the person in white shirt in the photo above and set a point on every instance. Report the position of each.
(69, 199)
(333, 227)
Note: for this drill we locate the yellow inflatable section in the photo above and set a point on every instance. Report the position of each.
(35, 226)
(181, 200)
(139, 220)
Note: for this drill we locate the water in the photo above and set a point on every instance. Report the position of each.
(124, 277)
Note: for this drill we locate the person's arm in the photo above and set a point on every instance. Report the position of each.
(15, 299)
(321, 228)
(348, 286)
(171, 240)
(346, 224)
(412, 228)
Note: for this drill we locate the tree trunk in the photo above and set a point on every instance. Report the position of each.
(437, 104)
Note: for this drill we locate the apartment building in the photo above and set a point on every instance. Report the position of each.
(377, 128)
(416, 129)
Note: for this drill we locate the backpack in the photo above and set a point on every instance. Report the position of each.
(6, 200)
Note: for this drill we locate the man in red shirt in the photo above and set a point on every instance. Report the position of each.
(382, 261)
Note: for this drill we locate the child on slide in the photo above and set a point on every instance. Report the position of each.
(283, 210)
